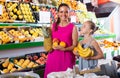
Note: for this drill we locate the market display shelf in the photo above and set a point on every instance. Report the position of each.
(29, 24)
(20, 45)
(102, 36)
(22, 24)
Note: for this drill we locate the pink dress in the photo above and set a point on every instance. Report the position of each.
(59, 60)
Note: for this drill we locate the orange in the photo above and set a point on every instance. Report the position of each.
(55, 40)
(55, 44)
(63, 44)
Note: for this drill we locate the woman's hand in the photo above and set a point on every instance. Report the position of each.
(59, 48)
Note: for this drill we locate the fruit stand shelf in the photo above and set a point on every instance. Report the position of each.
(20, 45)
(102, 36)
(35, 44)
(22, 24)
(30, 24)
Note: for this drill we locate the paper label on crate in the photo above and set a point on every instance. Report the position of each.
(8, 0)
(1, 9)
(16, 41)
(39, 39)
(44, 17)
(21, 36)
(73, 19)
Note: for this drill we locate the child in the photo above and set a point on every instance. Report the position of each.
(87, 30)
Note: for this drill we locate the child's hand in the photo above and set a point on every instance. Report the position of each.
(75, 53)
(87, 58)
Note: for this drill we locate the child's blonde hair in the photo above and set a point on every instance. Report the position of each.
(92, 26)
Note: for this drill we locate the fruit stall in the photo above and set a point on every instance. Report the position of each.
(21, 34)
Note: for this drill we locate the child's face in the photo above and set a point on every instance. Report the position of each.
(85, 29)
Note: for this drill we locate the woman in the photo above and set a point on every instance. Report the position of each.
(62, 58)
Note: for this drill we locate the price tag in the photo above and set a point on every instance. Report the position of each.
(73, 19)
(1, 9)
(8, 0)
(44, 17)
(39, 39)
(86, 1)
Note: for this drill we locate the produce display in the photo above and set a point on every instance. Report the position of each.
(4, 37)
(27, 12)
(110, 48)
(79, 10)
(14, 10)
(39, 58)
(35, 8)
(7, 67)
(17, 11)
(24, 63)
(29, 61)
(30, 12)
(19, 35)
(19, 77)
(53, 13)
(5, 16)
(71, 3)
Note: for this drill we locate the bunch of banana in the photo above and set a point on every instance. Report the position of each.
(83, 52)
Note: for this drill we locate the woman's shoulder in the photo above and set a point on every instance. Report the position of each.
(71, 24)
(53, 24)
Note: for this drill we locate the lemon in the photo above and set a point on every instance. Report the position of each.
(14, 17)
(11, 13)
(15, 10)
(20, 17)
(5, 70)
(33, 7)
(18, 12)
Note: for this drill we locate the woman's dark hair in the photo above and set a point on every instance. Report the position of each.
(93, 26)
(58, 19)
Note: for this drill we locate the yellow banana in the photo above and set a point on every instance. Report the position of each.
(83, 49)
(84, 52)
(79, 47)
(92, 53)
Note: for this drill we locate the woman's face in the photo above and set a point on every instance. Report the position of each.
(63, 13)
(85, 29)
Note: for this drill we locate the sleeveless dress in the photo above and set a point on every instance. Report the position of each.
(83, 63)
(59, 60)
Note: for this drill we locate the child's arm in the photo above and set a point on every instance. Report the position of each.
(98, 49)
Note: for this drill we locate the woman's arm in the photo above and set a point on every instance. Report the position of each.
(98, 49)
(74, 39)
